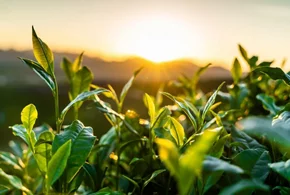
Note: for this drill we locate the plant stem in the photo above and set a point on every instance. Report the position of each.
(118, 147)
(56, 106)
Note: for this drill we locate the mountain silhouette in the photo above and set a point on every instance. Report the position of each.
(14, 72)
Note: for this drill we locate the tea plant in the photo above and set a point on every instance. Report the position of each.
(231, 141)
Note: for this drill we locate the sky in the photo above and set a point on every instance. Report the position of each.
(159, 30)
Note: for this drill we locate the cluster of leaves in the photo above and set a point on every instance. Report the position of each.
(231, 142)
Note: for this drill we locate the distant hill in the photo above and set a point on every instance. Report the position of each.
(14, 72)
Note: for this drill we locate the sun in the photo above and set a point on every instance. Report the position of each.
(159, 39)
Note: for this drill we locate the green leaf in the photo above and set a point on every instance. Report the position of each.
(257, 162)
(164, 133)
(28, 117)
(169, 155)
(218, 148)
(267, 64)
(236, 71)
(153, 175)
(20, 131)
(213, 168)
(82, 141)
(244, 185)
(209, 103)
(282, 168)
(42, 53)
(38, 69)
(13, 181)
(276, 132)
(177, 131)
(161, 118)
(11, 164)
(132, 181)
(244, 139)
(58, 163)
(81, 82)
(128, 86)
(282, 190)
(197, 75)
(268, 103)
(185, 108)
(212, 164)
(190, 163)
(243, 52)
(81, 97)
(151, 107)
(275, 73)
(66, 66)
(43, 150)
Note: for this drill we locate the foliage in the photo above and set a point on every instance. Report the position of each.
(232, 141)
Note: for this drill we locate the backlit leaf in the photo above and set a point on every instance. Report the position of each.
(43, 150)
(28, 116)
(236, 71)
(42, 53)
(177, 131)
(128, 86)
(151, 107)
(168, 155)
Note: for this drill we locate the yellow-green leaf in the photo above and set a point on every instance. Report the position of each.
(151, 107)
(58, 163)
(42, 53)
(28, 117)
(177, 131)
(168, 153)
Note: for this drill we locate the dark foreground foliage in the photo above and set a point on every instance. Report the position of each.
(231, 142)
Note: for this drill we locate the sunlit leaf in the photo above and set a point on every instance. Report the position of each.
(128, 86)
(185, 108)
(42, 53)
(177, 131)
(151, 107)
(190, 163)
(168, 155)
(43, 150)
(210, 102)
(82, 140)
(58, 162)
(28, 117)
(236, 71)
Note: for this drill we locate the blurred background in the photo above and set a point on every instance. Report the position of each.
(167, 38)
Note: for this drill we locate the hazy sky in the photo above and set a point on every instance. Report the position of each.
(158, 30)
